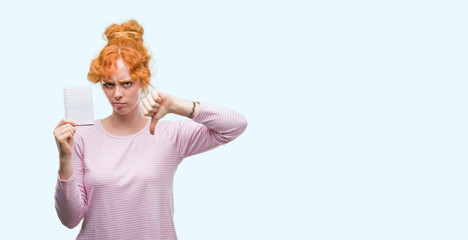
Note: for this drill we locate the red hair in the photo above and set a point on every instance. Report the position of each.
(124, 41)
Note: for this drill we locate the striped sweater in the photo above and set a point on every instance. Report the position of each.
(122, 185)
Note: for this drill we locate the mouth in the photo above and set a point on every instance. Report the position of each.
(119, 105)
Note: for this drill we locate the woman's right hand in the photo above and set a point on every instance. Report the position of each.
(64, 133)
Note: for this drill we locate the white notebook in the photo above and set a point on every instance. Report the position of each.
(79, 105)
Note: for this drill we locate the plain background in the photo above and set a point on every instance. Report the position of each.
(356, 109)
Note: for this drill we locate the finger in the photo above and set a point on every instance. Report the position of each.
(152, 103)
(160, 114)
(156, 97)
(143, 102)
(145, 112)
(73, 123)
(64, 137)
(149, 110)
(64, 128)
(67, 130)
(69, 121)
(65, 121)
(154, 120)
(148, 107)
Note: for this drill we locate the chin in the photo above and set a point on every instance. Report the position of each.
(121, 111)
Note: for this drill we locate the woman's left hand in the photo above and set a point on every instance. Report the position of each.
(156, 105)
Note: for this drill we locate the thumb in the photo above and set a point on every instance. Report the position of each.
(154, 120)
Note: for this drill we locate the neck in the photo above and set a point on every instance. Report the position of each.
(135, 118)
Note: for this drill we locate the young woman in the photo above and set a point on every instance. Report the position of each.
(117, 174)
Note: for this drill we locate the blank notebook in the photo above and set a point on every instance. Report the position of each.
(79, 105)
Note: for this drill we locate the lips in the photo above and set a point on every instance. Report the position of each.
(119, 105)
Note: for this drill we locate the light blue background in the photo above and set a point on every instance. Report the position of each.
(356, 110)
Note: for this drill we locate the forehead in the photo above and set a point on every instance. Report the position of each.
(120, 72)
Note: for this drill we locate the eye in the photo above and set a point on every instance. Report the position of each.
(108, 85)
(126, 84)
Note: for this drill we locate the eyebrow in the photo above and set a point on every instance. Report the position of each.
(123, 81)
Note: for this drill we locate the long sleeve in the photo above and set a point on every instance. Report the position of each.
(122, 185)
(70, 194)
(211, 127)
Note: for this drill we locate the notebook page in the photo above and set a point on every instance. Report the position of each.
(79, 104)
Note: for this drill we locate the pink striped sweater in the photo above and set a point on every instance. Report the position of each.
(122, 185)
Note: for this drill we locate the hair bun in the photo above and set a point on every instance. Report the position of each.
(128, 30)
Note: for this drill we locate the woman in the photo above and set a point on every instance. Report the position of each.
(117, 174)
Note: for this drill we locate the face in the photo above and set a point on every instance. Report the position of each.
(121, 90)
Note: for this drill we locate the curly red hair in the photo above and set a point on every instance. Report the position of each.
(124, 41)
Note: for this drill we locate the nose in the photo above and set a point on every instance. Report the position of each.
(118, 93)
